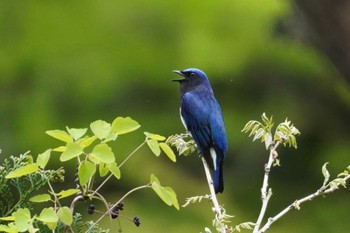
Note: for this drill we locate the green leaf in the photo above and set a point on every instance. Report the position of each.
(103, 153)
(168, 151)
(268, 140)
(7, 218)
(101, 129)
(72, 150)
(172, 196)
(161, 192)
(60, 135)
(65, 215)
(60, 149)
(76, 133)
(41, 198)
(114, 169)
(43, 159)
(22, 171)
(86, 170)
(155, 136)
(85, 142)
(125, 125)
(49, 217)
(166, 194)
(111, 137)
(154, 146)
(325, 174)
(103, 170)
(22, 219)
(67, 193)
(4, 228)
(154, 179)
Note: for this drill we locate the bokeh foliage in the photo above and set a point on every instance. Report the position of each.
(68, 63)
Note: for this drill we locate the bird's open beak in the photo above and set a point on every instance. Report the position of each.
(179, 73)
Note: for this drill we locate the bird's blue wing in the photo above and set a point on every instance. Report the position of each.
(203, 118)
(196, 116)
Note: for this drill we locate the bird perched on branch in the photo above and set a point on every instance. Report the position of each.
(201, 115)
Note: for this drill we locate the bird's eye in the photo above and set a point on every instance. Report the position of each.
(192, 75)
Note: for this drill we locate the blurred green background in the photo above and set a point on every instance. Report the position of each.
(68, 63)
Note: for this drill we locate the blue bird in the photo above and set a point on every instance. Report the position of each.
(201, 115)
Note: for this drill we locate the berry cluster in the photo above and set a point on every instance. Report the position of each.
(115, 213)
(115, 210)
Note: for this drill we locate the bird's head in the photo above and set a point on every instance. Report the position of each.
(192, 78)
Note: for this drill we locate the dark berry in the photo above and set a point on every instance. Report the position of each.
(114, 214)
(136, 221)
(120, 205)
(91, 209)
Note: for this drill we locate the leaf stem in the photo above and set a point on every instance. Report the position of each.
(133, 152)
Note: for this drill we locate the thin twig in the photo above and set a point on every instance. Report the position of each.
(213, 198)
(211, 187)
(297, 203)
(121, 164)
(266, 192)
(121, 199)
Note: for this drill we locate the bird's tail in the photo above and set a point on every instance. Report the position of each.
(218, 180)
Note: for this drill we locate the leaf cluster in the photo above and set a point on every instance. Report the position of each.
(285, 132)
(15, 192)
(183, 143)
(94, 157)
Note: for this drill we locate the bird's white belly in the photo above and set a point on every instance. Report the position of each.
(183, 120)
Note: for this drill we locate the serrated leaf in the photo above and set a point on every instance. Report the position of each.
(72, 150)
(101, 129)
(76, 133)
(60, 135)
(125, 125)
(114, 169)
(154, 146)
(168, 151)
(43, 159)
(22, 171)
(103, 153)
(41, 198)
(67, 193)
(85, 172)
(65, 215)
(325, 173)
(155, 136)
